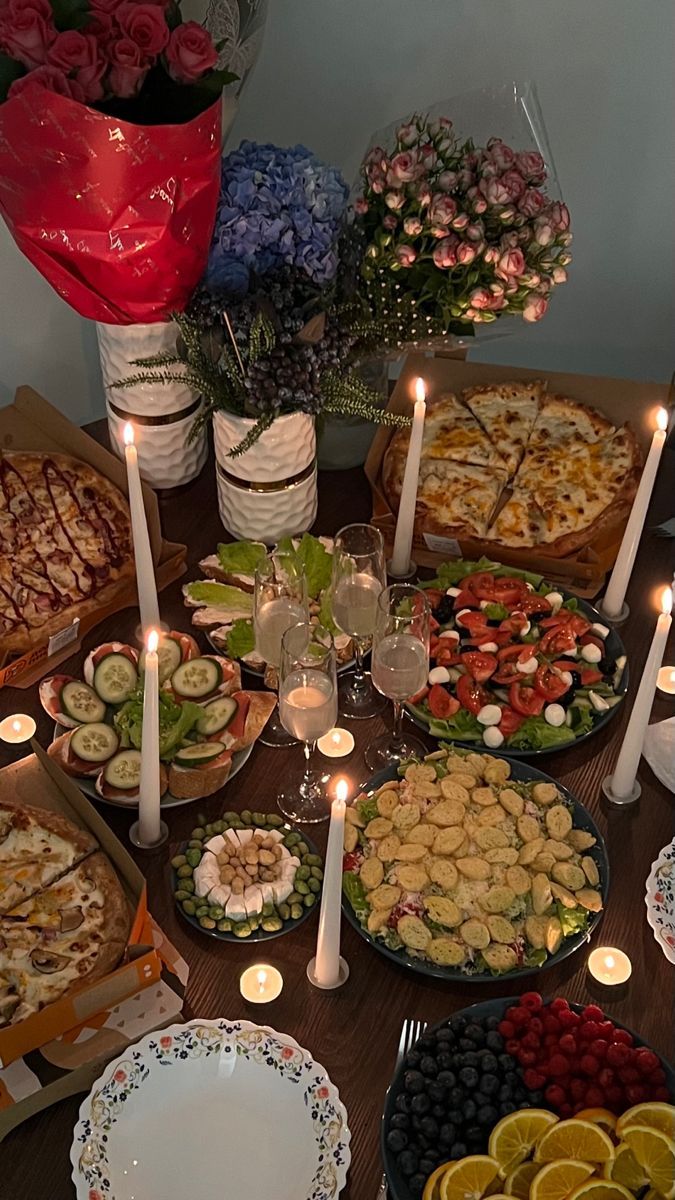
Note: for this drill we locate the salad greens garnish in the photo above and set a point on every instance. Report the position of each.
(367, 809)
(356, 895)
(220, 595)
(572, 920)
(176, 722)
(535, 733)
(241, 639)
(241, 558)
(450, 573)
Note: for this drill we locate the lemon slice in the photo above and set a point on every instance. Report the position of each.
(654, 1151)
(598, 1116)
(469, 1178)
(513, 1138)
(575, 1139)
(624, 1168)
(654, 1113)
(600, 1189)
(555, 1180)
(432, 1187)
(518, 1182)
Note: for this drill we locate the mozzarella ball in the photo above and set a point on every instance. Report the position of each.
(599, 703)
(528, 667)
(439, 675)
(489, 647)
(566, 678)
(484, 603)
(591, 653)
(554, 714)
(555, 600)
(452, 591)
(601, 630)
(489, 714)
(461, 613)
(449, 633)
(493, 737)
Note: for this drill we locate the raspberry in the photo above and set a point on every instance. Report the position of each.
(568, 1044)
(519, 1015)
(531, 1000)
(618, 1055)
(646, 1061)
(506, 1029)
(569, 1019)
(528, 1058)
(614, 1096)
(595, 1098)
(661, 1093)
(622, 1036)
(636, 1093)
(629, 1075)
(593, 1013)
(606, 1077)
(578, 1089)
(531, 1041)
(551, 1024)
(512, 1046)
(533, 1079)
(658, 1078)
(556, 1006)
(558, 1065)
(607, 1030)
(565, 1110)
(536, 1026)
(589, 1064)
(598, 1047)
(589, 1030)
(555, 1095)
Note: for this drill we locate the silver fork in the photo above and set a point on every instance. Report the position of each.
(411, 1032)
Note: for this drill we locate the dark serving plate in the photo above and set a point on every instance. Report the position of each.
(398, 1187)
(524, 773)
(615, 649)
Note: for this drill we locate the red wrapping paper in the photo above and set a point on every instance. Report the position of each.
(117, 217)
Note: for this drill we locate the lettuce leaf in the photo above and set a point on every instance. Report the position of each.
(367, 809)
(582, 719)
(572, 920)
(317, 564)
(219, 595)
(451, 573)
(496, 612)
(241, 639)
(241, 558)
(536, 734)
(326, 612)
(355, 892)
(176, 721)
(462, 727)
(535, 958)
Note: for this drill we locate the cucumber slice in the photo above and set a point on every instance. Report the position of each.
(169, 655)
(194, 756)
(217, 715)
(80, 702)
(94, 743)
(115, 678)
(196, 677)
(124, 770)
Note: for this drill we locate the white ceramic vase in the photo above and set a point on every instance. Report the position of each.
(163, 414)
(270, 491)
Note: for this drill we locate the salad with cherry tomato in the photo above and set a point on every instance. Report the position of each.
(515, 664)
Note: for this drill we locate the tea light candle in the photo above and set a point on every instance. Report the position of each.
(261, 983)
(337, 743)
(145, 569)
(18, 728)
(609, 966)
(665, 681)
(403, 538)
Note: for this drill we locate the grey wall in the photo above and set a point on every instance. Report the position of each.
(331, 71)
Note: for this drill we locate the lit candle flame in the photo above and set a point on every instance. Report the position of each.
(261, 979)
(341, 790)
(610, 962)
(667, 600)
(152, 641)
(128, 434)
(661, 419)
(336, 737)
(16, 726)
(421, 391)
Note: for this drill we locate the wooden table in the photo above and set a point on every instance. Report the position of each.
(354, 1031)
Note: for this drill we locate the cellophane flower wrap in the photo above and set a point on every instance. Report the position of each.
(110, 142)
(459, 217)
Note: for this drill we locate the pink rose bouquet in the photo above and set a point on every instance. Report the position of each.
(457, 234)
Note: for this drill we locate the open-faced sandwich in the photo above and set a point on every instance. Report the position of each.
(204, 719)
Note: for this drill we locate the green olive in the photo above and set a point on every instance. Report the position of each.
(296, 911)
(302, 873)
(219, 826)
(189, 907)
(316, 873)
(272, 924)
(242, 929)
(314, 886)
(291, 839)
(258, 818)
(301, 848)
(216, 912)
(230, 816)
(207, 923)
(185, 871)
(224, 926)
(274, 820)
(181, 894)
(267, 909)
(209, 829)
(284, 911)
(194, 857)
(301, 886)
(313, 860)
(295, 898)
(195, 844)
(236, 824)
(179, 861)
(309, 900)
(187, 885)
(202, 910)
(198, 832)
(246, 816)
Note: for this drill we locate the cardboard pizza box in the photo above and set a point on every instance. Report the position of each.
(32, 423)
(37, 781)
(618, 399)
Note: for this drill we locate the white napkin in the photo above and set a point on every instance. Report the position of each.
(659, 750)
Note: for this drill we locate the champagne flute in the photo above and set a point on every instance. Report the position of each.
(279, 601)
(400, 665)
(308, 709)
(359, 575)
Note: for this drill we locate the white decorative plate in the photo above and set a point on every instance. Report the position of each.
(213, 1110)
(660, 900)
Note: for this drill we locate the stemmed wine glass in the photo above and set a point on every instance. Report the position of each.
(400, 664)
(359, 575)
(279, 601)
(308, 709)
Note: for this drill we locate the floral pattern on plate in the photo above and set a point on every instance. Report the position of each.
(660, 900)
(200, 1039)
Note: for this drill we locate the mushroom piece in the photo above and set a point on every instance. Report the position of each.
(48, 963)
(71, 918)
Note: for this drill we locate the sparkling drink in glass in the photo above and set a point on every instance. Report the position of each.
(400, 665)
(359, 575)
(308, 709)
(279, 601)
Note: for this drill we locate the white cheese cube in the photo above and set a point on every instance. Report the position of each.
(235, 908)
(493, 737)
(554, 714)
(489, 714)
(267, 890)
(253, 900)
(206, 874)
(245, 835)
(282, 890)
(216, 844)
(489, 647)
(275, 835)
(452, 591)
(439, 675)
(555, 600)
(591, 653)
(233, 837)
(601, 630)
(220, 894)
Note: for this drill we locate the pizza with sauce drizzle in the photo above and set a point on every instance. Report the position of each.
(65, 543)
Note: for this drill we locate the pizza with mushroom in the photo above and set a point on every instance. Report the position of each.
(64, 919)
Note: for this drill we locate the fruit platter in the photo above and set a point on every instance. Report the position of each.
(206, 720)
(248, 875)
(469, 866)
(534, 1100)
(515, 664)
(222, 602)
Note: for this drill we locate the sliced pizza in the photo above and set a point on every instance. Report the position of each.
(36, 847)
(457, 499)
(507, 413)
(563, 423)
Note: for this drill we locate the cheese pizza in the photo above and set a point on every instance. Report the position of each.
(65, 542)
(513, 465)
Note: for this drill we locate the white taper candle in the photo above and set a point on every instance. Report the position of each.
(145, 570)
(327, 966)
(149, 795)
(403, 538)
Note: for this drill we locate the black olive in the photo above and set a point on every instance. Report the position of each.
(397, 1140)
(607, 665)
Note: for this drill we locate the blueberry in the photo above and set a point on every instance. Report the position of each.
(416, 1183)
(414, 1082)
(429, 1127)
(492, 1023)
(399, 1121)
(469, 1110)
(494, 1041)
(458, 1150)
(448, 1079)
(456, 1116)
(470, 1059)
(413, 1058)
(456, 1097)
(487, 1116)
(505, 1108)
(423, 1142)
(466, 1043)
(445, 1034)
(438, 1111)
(425, 1043)
(512, 1079)
(444, 1060)
(489, 1085)
(402, 1103)
(506, 1062)
(505, 1092)
(427, 1165)
(476, 1034)
(446, 1135)
(428, 1066)
(436, 1092)
(397, 1140)
(480, 1098)
(420, 1104)
(458, 1023)
(407, 1162)
(416, 1123)
(469, 1077)
(536, 1099)
(488, 1062)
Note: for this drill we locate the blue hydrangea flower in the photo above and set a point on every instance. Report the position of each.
(277, 207)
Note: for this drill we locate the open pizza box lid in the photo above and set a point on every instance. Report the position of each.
(37, 781)
(32, 423)
(620, 400)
